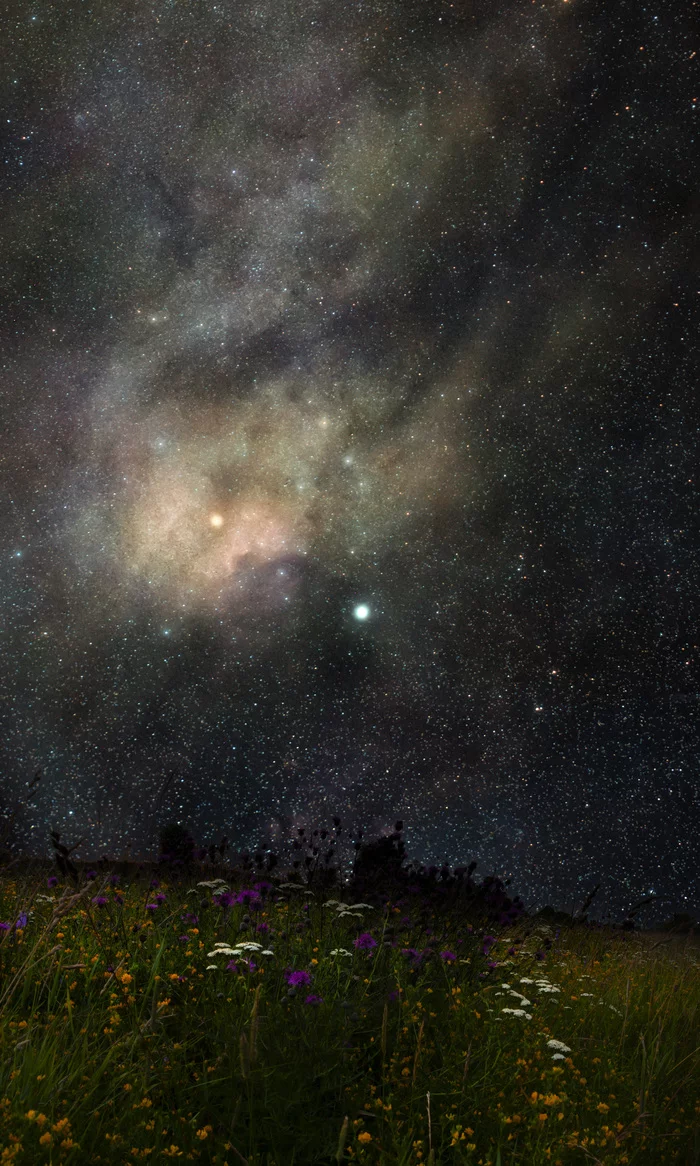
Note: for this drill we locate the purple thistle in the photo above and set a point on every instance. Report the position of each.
(231, 966)
(155, 883)
(100, 901)
(151, 906)
(365, 941)
(160, 898)
(313, 1000)
(263, 928)
(114, 879)
(225, 899)
(183, 939)
(90, 875)
(52, 881)
(5, 926)
(296, 978)
(247, 897)
(448, 955)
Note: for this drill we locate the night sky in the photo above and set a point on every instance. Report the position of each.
(349, 431)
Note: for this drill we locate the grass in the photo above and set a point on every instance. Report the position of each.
(333, 1039)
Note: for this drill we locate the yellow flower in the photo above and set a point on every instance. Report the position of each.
(30, 1114)
(204, 1133)
(128, 1088)
(471, 1145)
(45, 1139)
(602, 1107)
(364, 1137)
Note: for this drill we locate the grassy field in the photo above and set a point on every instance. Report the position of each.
(143, 1020)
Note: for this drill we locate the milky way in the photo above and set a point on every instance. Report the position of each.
(350, 432)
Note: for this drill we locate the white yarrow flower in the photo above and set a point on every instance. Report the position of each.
(558, 1045)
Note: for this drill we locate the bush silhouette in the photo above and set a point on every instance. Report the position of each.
(176, 844)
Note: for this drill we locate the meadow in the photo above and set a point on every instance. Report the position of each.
(226, 1015)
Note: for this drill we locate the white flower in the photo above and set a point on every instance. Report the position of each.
(525, 980)
(340, 951)
(213, 883)
(585, 994)
(517, 1012)
(558, 1057)
(558, 1045)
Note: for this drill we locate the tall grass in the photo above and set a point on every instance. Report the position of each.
(222, 1018)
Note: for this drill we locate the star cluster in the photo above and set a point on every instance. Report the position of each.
(349, 432)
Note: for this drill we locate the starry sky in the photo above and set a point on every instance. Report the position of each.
(349, 431)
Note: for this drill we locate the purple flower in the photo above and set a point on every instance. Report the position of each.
(412, 953)
(5, 926)
(193, 920)
(114, 880)
(491, 964)
(21, 922)
(100, 901)
(151, 906)
(231, 966)
(263, 928)
(52, 881)
(155, 883)
(90, 874)
(448, 955)
(247, 897)
(539, 955)
(183, 939)
(313, 1000)
(160, 898)
(393, 996)
(296, 978)
(365, 941)
(225, 899)
(110, 967)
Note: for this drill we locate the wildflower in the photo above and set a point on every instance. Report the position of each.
(151, 906)
(114, 879)
(225, 899)
(365, 1136)
(448, 955)
(90, 875)
(247, 897)
(365, 941)
(313, 1000)
(21, 922)
(51, 882)
(558, 1045)
(517, 1012)
(100, 901)
(296, 978)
